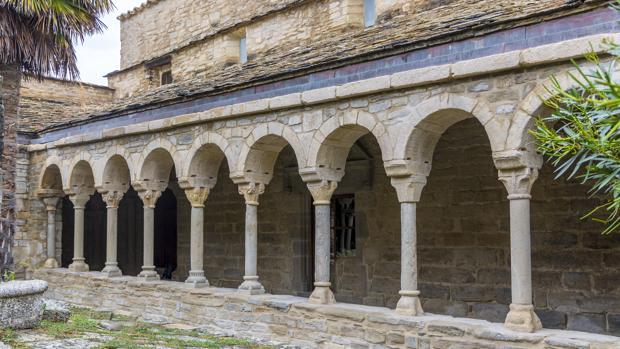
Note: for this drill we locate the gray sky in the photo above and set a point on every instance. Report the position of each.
(100, 54)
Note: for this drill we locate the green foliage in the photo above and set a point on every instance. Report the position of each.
(581, 137)
(84, 322)
(8, 275)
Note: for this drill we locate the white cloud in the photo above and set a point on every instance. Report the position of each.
(100, 54)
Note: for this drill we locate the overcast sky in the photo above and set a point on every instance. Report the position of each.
(100, 54)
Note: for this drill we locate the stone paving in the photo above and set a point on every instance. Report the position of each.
(103, 329)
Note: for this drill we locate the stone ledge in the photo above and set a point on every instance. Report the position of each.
(292, 319)
(545, 54)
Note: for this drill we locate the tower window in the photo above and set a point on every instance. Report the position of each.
(370, 13)
(243, 49)
(166, 77)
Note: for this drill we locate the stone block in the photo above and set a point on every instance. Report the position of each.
(485, 65)
(286, 101)
(420, 76)
(552, 318)
(319, 95)
(490, 311)
(445, 307)
(361, 87)
(56, 311)
(587, 322)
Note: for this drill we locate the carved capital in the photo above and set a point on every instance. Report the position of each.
(197, 196)
(409, 189)
(112, 198)
(518, 181)
(79, 200)
(322, 191)
(50, 203)
(149, 197)
(251, 191)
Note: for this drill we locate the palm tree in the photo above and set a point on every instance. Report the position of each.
(37, 38)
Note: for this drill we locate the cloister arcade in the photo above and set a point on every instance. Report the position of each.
(350, 152)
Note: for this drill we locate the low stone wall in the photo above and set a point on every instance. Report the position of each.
(293, 320)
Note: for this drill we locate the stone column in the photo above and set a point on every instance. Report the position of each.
(79, 203)
(518, 182)
(409, 190)
(197, 197)
(251, 192)
(50, 206)
(112, 199)
(149, 198)
(321, 193)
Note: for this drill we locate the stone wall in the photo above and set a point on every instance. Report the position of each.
(52, 101)
(292, 320)
(195, 47)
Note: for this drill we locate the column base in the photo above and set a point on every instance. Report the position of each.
(251, 285)
(148, 273)
(522, 318)
(197, 279)
(51, 263)
(322, 294)
(78, 265)
(111, 270)
(409, 303)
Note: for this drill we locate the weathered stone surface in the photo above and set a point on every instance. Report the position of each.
(56, 311)
(21, 303)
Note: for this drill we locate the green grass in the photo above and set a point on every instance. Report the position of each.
(139, 336)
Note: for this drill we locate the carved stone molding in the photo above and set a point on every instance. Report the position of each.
(112, 198)
(409, 189)
(197, 196)
(322, 191)
(149, 197)
(518, 181)
(51, 202)
(79, 200)
(251, 191)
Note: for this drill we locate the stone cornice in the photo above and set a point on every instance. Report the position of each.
(518, 59)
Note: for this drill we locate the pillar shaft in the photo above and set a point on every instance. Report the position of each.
(520, 252)
(251, 193)
(148, 268)
(196, 273)
(111, 264)
(322, 214)
(51, 234)
(321, 193)
(518, 182)
(79, 263)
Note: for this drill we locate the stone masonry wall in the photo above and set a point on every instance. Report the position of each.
(292, 320)
(150, 33)
(52, 101)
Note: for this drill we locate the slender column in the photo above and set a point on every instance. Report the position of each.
(197, 197)
(322, 193)
(50, 207)
(518, 182)
(251, 192)
(112, 199)
(409, 190)
(149, 198)
(79, 203)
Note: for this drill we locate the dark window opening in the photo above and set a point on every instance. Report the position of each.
(343, 225)
(166, 77)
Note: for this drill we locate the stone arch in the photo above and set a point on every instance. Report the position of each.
(52, 176)
(80, 172)
(417, 139)
(81, 179)
(116, 175)
(156, 164)
(203, 160)
(116, 159)
(258, 158)
(333, 140)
